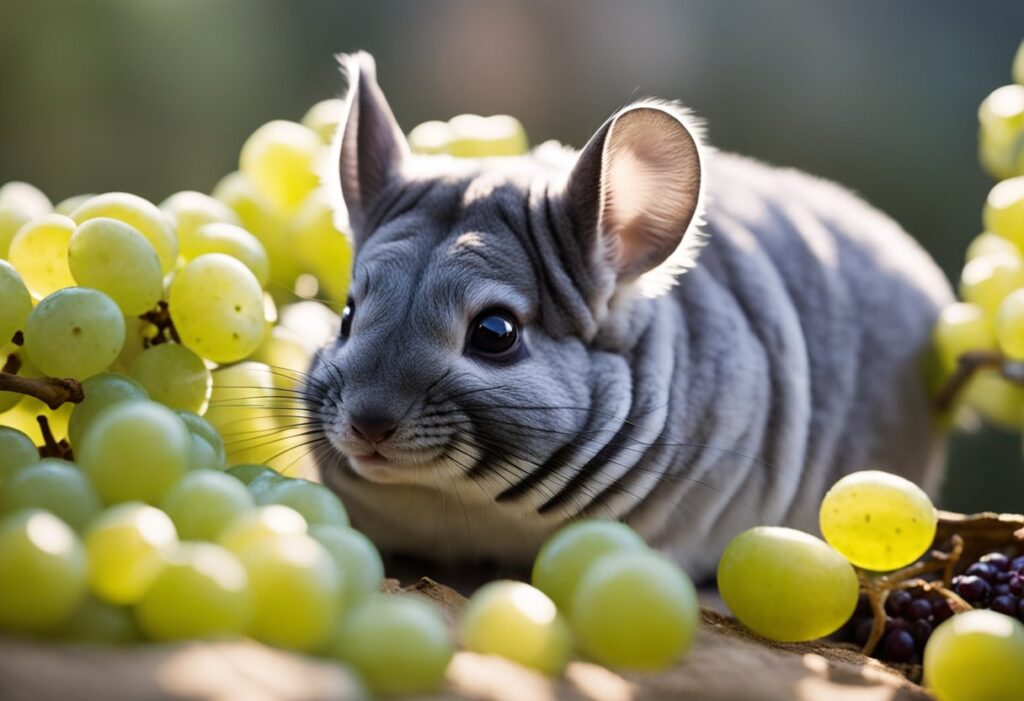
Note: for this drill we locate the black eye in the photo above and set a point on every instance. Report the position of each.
(494, 332)
(346, 319)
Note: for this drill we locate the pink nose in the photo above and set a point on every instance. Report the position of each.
(373, 428)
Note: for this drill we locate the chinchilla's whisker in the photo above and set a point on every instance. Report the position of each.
(310, 446)
(249, 443)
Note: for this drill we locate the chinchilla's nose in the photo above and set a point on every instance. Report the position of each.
(373, 426)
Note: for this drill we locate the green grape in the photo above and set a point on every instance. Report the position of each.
(1004, 210)
(114, 258)
(1009, 325)
(986, 280)
(17, 451)
(15, 302)
(75, 332)
(314, 323)
(219, 237)
(296, 589)
(204, 503)
(8, 400)
(96, 621)
(247, 473)
(101, 391)
(68, 205)
(1018, 65)
(42, 571)
(190, 210)
(398, 644)
(1001, 133)
(976, 656)
(518, 622)
(53, 485)
(357, 559)
(635, 609)
(316, 503)
(281, 159)
(986, 242)
(286, 352)
(212, 456)
(261, 484)
(20, 203)
(473, 136)
(960, 328)
(138, 336)
(322, 247)
(786, 585)
(174, 376)
(878, 521)
(202, 591)
(262, 523)
(217, 306)
(142, 215)
(998, 400)
(570, 551)
(431, 138)
(134, 451)
(39, 252)
(126, 545)
(324, 118)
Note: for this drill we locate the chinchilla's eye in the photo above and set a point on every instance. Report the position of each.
(346, 318)
(494, 332)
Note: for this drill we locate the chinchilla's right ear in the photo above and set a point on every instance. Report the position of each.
(370, 148)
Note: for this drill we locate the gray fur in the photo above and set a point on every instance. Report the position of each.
(786, 356)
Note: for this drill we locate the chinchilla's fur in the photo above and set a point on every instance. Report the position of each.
(706, 342)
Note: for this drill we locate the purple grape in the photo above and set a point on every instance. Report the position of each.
(919, 609)
(984, 570)
(897, 602)
(1018, 564)
(942, 611)
(863, 606)
(1005, 604)
(1004, 577)
(974, 589)
(1000, 589)
(899, 646)
(997, 560)
(863, 631)
(921, 630)
(1020, 610)
(892, 624)
(1016, 584)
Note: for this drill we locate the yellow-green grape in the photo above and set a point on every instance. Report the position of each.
(190, 210)
(286, 352)
(25, 418)
(138, 336)
(8, 400)
(39, 252)
(877, 520)
(985, 243)
(101, 391)
(217, 307)
(786, 585)
(1003, 213)
(17, 451)
(474, 136)
(986, 280)
(19, 204)
(357, 559)
(68, 205)
(53, 485)
(998, 400)
(518, 622)
(570, 551)
(220, 237)
(248, 473)
(323, 248)
(174, 376)
(15, 302)
(126, 545)
(134, 451)
(142, 215)
(262, 523)
(202, 591)
(42, 571)
(312, 322)
(1010, 325)
(114, 258)
(976, 656)
(96, 621)
(296, 590)
(75, 332)
(398, 644)
(281, 159)
(430, 138)
(204, 503)
(1018, 65)
(206, 449)
(1001, 131)
(316, 503)
(324, 118)
(960, 328)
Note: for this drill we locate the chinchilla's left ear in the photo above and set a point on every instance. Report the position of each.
(370, 147)
(636, 188)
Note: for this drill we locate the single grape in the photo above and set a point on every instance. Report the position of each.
(987, 280)
(985, 243)
(42, 571)
(204, 503)
(976, 656)
(973, 589)
(567, 555)
(53, 485)
(961, 328)
(398, 644)
(288, 353)
(316, 503)
(202, 591)
(636, 609)
(281, 160)
(518, 622)
(190, 210)
(323, 248)
(39, 252)
(899, 646)
(358, 561)
(877, 520)
(134, 451)
(1004, 210)
(983, 570)
(919, 609)
(248, 473)
(1006, 604)
(260, 524)
(260, 484)
(324, 118)
(243, 408)
(114, 258)
(474, 136)
(138, 336)
(68, 205)
(126, 545)
(431, 138)
(101, 391)
(75, 332)
(17, 451)
(897, 602)
(138, 213)
(174, 376)
(206, 449)
(217, 306)
(1009, 325)
(296, 590)
(1001, 122)
(999, 401)
(15, 302)
(96, 621)
(232, 240)
(786, 585)
(19, 204)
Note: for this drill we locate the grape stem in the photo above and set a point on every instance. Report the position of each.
(161, 319)
(51, 391)
(969, 363)
(51, 448)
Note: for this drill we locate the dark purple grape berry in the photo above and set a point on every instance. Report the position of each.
(896, 603)
(1020, 610)
(984, 570)
(1000, 589)
(918, 609)
(1005, 604)
(899, 646)
(997, 560)
(863, 606)
(1004, 577)
(921, 630)
(892, 624)
(942, 611)
(1018, 564)
(974, 589)
(863, 631)
(1016, 585)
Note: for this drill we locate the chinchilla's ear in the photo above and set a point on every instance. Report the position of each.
(370, 147)
(636, 188)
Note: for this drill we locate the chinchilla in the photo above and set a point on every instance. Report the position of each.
(647, 330)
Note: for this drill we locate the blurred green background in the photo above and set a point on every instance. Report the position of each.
(155, 96)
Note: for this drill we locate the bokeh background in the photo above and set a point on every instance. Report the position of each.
(156, 96)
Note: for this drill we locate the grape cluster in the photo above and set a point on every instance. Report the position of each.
(911, 617)
(995, 582)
